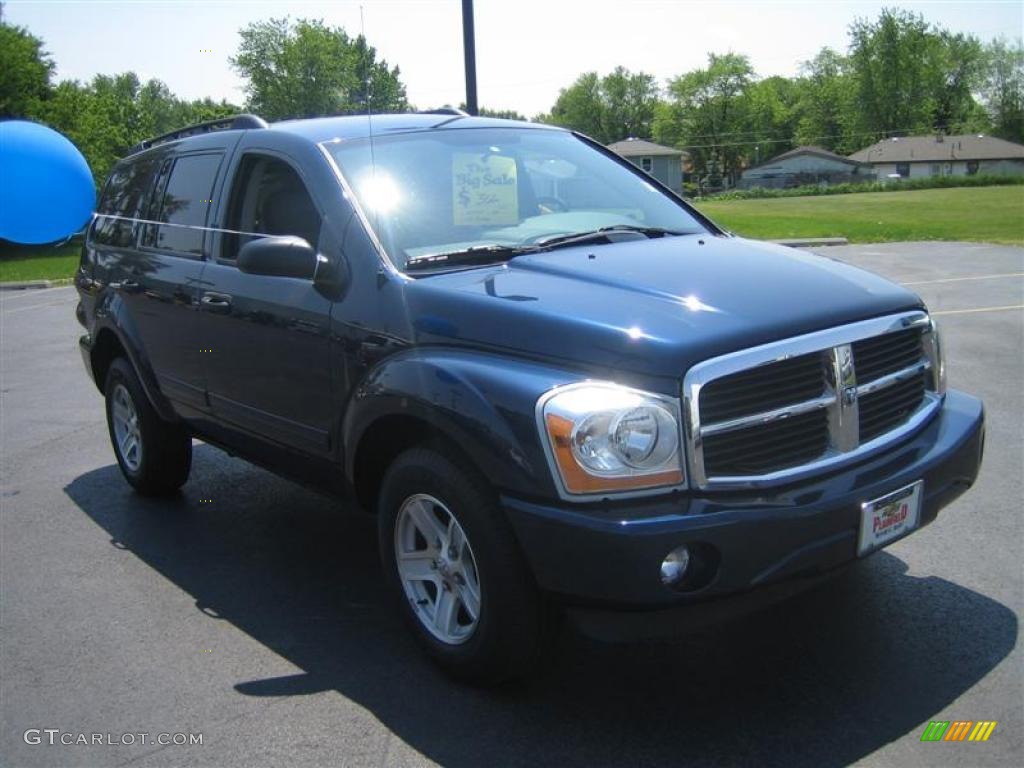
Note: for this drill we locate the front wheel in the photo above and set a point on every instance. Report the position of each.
(453, 561)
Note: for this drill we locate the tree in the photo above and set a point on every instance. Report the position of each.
(610, 108)
(827, 103)
(771, 115)
(307, 69)
(707, 113)
(1003, 88)
(25, 71)
(912, 77)
(376, 88)
(504, 114)
(579, 107)
(159, 110)
(201, 110)
(961, 64)
(111, 114)
(102, 118)
(891, 62)
(630, 102)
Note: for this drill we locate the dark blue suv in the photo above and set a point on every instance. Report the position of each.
(556, 384)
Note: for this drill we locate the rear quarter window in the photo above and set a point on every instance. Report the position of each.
(121, 203)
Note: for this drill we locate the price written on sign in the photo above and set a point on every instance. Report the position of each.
(484, 189)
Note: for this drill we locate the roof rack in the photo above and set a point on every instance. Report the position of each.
(447, 109)
(234, 122)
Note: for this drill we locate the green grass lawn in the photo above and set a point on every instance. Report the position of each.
(39, 263)
(982, 214)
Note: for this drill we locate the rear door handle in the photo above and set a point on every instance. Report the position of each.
(130, 286)
(216, 302)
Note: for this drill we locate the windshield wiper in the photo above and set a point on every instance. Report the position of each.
(601, 235)
(477, 254)
(495, 252)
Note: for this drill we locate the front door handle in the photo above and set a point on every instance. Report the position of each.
(216, 302)
(130, 286)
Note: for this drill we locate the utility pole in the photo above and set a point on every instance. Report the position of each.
(469, 48)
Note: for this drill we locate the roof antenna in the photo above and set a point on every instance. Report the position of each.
(366, 75)
(366, 94)
(366, 78)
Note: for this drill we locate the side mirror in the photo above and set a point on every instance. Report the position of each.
(285, 256)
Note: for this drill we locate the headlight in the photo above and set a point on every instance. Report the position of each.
(936, 356)
(606, 438)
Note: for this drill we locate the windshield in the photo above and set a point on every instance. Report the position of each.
(449, 190)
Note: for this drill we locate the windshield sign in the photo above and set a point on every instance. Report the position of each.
(496, 190)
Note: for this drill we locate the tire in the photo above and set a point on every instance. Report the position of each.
(155, 456)
(505, 639)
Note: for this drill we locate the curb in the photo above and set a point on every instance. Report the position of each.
(25, 285)
(811, 242)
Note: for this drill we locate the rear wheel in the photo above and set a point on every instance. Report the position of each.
(155, 456)
(452, 560)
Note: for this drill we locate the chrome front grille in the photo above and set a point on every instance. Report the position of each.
(763, 388)
(764, 448)
(887, 408)
(888, 353)
(787, 409)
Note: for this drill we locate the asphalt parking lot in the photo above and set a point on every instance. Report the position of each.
(250, 611)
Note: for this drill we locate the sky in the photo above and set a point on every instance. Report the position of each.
(526, 49)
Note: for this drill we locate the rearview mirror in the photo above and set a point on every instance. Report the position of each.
(284, 256)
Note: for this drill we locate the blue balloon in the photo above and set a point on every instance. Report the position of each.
(46, 187)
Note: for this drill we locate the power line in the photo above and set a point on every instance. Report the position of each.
(754, 132)
(792, 140)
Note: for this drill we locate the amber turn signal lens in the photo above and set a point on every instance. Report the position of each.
(577, 480)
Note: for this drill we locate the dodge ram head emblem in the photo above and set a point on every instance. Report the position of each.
(849, 395)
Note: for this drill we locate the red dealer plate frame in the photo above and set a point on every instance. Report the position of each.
(890, 517)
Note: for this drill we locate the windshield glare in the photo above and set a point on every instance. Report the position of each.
(448, 190)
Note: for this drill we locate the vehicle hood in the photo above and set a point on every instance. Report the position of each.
(653, 307)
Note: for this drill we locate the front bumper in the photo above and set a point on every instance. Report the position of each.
(608, 556)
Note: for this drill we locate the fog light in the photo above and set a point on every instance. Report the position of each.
(673, 567)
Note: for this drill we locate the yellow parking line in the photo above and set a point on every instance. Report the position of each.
(959, 279)
(978, 309)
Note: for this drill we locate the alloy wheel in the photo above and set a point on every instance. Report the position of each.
(127, 432)
(437, 569)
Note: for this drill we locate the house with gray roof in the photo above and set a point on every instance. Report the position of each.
(965, 155)
(663, 163)
(804, 166)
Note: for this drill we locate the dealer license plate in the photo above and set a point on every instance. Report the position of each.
(886, 519)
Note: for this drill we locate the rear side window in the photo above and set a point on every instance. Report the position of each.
(183, 204)
(121, 203)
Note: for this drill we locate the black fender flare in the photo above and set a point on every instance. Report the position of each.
(112, 319)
